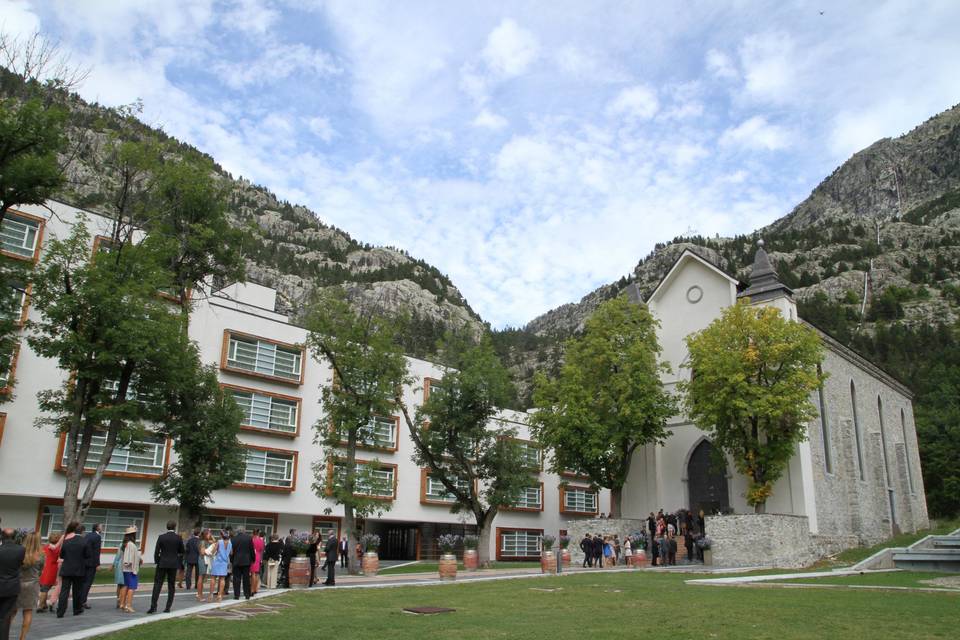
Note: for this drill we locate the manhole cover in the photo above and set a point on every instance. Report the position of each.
(427, 611)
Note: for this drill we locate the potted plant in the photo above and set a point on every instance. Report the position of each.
(638, 549)
(299, 572)
(548, 559)
(705, 545)
(564, 542)
(448, 560)
(370, 542)
(471, 558)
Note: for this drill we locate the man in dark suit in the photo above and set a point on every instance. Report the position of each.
(94, 540)
(598, 551)
(11, 558)
(343, 550)
(331, 550)
(243, 557)
(73, 572)
(168, 555)
(192, 557)
(586, 545)
(286, 556)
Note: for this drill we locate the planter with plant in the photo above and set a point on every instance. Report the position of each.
(638, 549)
(564, 542)
(299, 572)
(448, 560)
(370, 543)
(471, 557)
(548, 559)
(705, 545)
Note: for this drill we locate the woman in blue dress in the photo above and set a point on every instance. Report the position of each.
(221, 560)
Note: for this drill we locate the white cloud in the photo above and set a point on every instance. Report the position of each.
(756, 133)
(254, 17)
(277, 62)
(720, 65)
(321, 127)
(17, 19)
(769, 66)
(637, 102)
(510, 49)
(487, 119)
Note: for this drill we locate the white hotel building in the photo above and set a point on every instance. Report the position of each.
(261, 358)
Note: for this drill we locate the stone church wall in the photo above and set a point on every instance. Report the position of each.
(755, 540)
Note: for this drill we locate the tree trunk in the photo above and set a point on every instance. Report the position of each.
(616, 502)
(350, 524)
(483, 545)
(186, 519)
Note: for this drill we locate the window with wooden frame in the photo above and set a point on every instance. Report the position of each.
(144, 458)
(531, 453)
(21, 235)
(263, 358)
(218, 520)
(114, 518)
(16, 307)
(432, 491)
(579, 500)
(529, 499)
(326, 525)
(382, 434)
(518, 544)
(269, 469)
(7, 376)
(266, 412)
(431, 385)
(384, 475)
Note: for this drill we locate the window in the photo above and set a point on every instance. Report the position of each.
(268, 412)
(431, 385)
(532, 455)
(380, 433)
(142, 457)
(270, 468)
(112, 386)
(856, 430)
(114, 521)
(326, 527)
(530, 499)
(19, 235)
(824, 428)
(906, 449)
(217, 522)
(14, 307)
(381, 482)
(247, 353)
(434, 491)
(518, 543)
(883, 441)
(8, 368)
(579, 500)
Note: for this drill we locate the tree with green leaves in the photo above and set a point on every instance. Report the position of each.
(101, 319)
(608, 399)
(362, 348)
(457, 436)
(203, 422)
(752, 376)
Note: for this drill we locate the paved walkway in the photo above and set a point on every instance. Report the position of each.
(103, 617)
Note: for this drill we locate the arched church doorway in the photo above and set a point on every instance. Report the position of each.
(707, 480)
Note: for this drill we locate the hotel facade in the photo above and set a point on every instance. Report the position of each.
(262, 360)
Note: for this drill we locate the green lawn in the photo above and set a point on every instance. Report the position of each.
(434, 567)
(607, 606)
(884, 579)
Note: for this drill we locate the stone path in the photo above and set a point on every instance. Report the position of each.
(104, 618)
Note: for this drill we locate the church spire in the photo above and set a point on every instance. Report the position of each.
(764, 281)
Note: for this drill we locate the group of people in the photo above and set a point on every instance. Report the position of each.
(603, 551)
(664, 530)
(331, 549)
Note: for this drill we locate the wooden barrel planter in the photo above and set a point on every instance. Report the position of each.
(639, 559)
(567, 558)
(471, 559)
(299, 572)
(371, 563)
(548, 562)
(448, 566)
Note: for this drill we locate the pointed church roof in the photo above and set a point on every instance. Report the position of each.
(764, 280)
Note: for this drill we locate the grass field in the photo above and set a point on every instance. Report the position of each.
(912, 579)
(604, 606)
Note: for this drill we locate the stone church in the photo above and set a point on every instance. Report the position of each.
(856, 477)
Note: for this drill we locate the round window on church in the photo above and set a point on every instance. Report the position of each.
(694, 294)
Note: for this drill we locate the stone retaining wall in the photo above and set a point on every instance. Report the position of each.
(622, 527)
(763, 539)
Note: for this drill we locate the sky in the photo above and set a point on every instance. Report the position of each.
(532, 151)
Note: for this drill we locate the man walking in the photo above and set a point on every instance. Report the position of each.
(586, 545)
(168, 556)
(344, 549)
(598, 551)
(94, 541)
(287, 555)
(73, 572)
(192, 557)
(243, 556)
(331, 550)
(11, 558)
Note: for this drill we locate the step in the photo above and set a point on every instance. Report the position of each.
(947, 560)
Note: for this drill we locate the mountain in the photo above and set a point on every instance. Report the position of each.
(289, 249)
